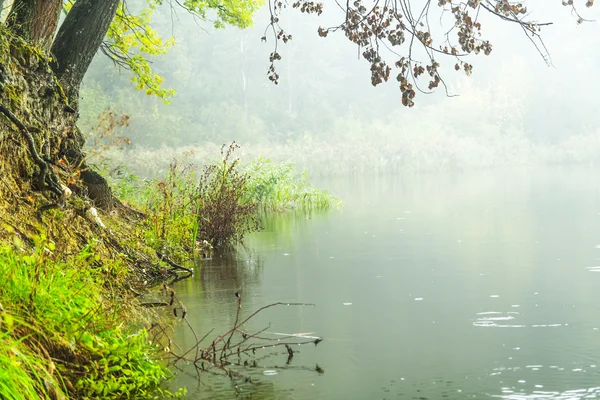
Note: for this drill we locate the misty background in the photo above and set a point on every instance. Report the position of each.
(326, 116)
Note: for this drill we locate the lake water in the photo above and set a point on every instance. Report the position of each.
(463, 285)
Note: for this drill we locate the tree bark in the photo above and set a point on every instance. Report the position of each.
(35, 20)
(78, 41)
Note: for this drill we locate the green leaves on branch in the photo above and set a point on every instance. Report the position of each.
(236, 13)
(131, 41)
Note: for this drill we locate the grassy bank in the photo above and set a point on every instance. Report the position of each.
(70, 321)
(62, 329)
(71, 325)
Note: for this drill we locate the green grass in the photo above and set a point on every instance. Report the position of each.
(63, 333)
(23, 374)
(276, 187)
(170, 205)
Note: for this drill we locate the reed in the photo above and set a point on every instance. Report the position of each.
(277, 187)
(383, 154)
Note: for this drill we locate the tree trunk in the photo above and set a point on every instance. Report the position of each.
(35, 20)
(96, 187)
(78, 41)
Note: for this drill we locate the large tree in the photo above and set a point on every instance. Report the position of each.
(35, 20)
(79, 39)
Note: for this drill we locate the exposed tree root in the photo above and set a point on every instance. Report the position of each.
(52, 182)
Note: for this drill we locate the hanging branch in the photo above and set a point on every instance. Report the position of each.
(396, 38)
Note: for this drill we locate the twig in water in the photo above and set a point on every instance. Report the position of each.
(174, 265)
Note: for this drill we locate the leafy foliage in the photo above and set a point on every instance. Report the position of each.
(132, 41)
(229, 12)
(120, 366)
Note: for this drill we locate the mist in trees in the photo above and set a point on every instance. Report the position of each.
(513, 103)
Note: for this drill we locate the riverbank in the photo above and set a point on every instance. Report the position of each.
(75, 259)
(72, 258)
(71, 325)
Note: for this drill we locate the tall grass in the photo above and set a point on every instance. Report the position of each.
(276, 187)
(171, 205)
(24, 374)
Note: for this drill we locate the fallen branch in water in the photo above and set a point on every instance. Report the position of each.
(235, 342)
(154, 304)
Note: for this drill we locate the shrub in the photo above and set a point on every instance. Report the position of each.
(225, 213)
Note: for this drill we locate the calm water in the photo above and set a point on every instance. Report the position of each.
(470, 285)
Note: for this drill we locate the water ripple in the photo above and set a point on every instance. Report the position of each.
(575, 394)
(497, 319)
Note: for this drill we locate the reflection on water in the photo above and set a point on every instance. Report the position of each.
(413, 280)
(513, 393)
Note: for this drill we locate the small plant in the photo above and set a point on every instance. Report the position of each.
(104, 135)
(225, 213)
(172, 208)
(120, 366)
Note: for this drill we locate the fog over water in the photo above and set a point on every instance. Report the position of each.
(435, 286)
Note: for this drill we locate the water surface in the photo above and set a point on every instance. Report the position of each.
(464, 285)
